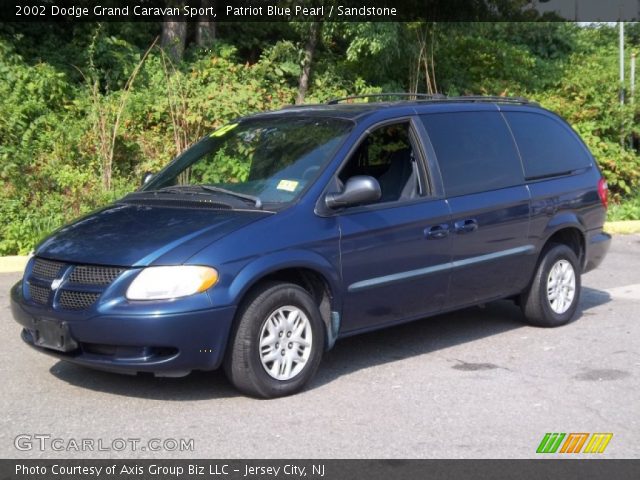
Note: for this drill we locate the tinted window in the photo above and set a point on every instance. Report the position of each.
(547, 146)
(475, 151)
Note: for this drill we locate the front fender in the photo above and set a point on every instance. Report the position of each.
(262, 266)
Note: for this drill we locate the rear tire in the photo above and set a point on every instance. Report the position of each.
(552, 298)
(277, 343)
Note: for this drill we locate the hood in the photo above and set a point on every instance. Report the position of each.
(139, 235)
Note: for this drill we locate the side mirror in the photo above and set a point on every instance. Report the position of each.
(358, 190)
(146, 178)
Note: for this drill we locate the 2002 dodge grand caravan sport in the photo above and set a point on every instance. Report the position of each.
(275, 235)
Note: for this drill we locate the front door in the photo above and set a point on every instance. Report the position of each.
(394, 253)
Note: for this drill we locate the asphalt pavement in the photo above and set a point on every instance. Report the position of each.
(472, 384)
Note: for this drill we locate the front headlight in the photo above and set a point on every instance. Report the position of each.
(162, 283)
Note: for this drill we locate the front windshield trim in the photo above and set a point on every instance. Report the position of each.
(156, 182)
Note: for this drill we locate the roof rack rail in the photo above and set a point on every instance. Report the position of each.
(413, 96)
(438, 97)
(489, 98)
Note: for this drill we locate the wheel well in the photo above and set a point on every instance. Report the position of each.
(308, 279)
(571, 237)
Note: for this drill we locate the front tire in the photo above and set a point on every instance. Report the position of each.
(552, 298)
(278, 341)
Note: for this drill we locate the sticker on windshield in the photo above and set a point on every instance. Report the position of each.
(224, 129)
(287, 185)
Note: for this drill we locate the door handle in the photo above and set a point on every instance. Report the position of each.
(466, 226)
(437, 231)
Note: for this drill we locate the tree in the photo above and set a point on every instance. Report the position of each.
(174, 34)
(174, 38)
(309, 53)
(205, 28)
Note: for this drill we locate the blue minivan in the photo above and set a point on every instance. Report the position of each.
(281, 232)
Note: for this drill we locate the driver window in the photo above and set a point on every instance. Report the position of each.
(387, 155)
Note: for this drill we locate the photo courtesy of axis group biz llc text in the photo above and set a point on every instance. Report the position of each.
(319, 239)
(170, 470)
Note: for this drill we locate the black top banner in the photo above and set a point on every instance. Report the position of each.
(318, 10)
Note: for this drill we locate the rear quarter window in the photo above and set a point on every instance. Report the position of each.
(475, 151)
(548, 147)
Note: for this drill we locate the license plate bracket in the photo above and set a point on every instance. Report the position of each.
(53, 334)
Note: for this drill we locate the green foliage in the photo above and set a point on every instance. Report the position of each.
(586, 95)
(628, 209)
(51, 161)
(494, 67)
(228, 165)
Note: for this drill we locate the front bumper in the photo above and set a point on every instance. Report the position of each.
(165, 344)
(598, 243)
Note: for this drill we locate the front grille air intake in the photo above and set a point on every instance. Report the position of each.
(46, 269)
(92, 275)
(39, 294)
(73, 300)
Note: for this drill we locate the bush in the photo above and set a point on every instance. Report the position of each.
(628, 209)
(586, 95)
(61, 89)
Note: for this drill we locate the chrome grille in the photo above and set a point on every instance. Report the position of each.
(39, 294)
(74, 300)
(46, 269)
(92, 275)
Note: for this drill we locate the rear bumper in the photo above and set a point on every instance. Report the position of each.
(166, 344)
(597, 246)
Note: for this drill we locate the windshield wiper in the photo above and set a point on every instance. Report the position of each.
(209, 188)
(245, 196)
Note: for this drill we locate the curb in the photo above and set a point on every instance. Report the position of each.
(624, 227)
(13, 263)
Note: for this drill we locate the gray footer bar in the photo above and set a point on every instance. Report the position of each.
(556, 469)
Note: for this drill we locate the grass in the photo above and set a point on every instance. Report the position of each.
(624, 217)
(628, 209)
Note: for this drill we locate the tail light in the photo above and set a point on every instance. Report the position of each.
(603, 192)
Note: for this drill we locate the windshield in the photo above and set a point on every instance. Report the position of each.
(268, 160)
